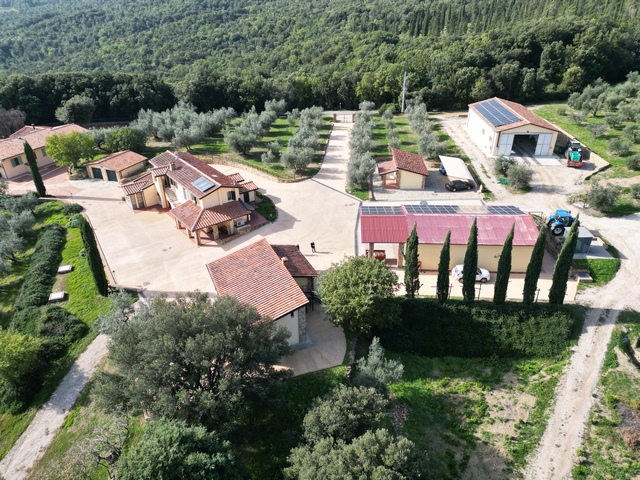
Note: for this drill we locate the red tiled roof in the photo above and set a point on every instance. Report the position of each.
(248, 187)
(14, 146)
(28, 129)
(120, 160)
(411, 162)
(432, 228)
(297, 264)
(236, 177)
(195, 218)
(145, 181)
(188, 168)
(255, 275)
(159, 171)
(386, 167)
(527, 117)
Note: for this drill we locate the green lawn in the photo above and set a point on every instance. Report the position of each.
(83, 302)
(602, 270)
(603, 453)
(599, 145)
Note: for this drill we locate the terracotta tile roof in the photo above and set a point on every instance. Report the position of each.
(159, 171)
(411, 162)
(527, 117)
(145, 181)
(195, 218)
(248, 187)
(297, 264)
(386, 167)
(13, 146)
(236, 177)
(120, 160)
(188, 168)
(255, 275)
(28, 129)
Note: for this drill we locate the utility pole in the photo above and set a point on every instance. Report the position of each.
(404, 91)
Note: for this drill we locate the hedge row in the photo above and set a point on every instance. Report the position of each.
(43, 268)
(454, 329)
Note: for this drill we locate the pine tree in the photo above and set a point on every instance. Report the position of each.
(504, 270)
(534, 268)
(35, 172)
(93, 257)
(563, 266)
(442, 289)
(411, 269)
(470, 264)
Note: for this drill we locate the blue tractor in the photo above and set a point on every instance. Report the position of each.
(559, 221)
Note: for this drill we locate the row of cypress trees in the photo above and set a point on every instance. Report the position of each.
(560, 272)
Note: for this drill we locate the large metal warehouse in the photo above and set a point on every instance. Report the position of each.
(500, 127)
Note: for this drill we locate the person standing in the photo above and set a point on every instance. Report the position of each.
(313, 247)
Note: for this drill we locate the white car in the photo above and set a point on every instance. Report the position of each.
(482, 275)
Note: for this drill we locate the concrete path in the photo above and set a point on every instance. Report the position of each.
(43, 428)
(333, 172)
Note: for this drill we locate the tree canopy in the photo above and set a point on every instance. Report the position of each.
(358, 294)
(194, 359)
(70, 149)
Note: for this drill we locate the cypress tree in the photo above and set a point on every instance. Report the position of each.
(442, 288)
(411, 270)
(563, 266)
(504, 270)
(534, 268)
(35, 172)
(470, 264)
(93, 257)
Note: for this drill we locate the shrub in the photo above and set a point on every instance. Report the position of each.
(366, 106)
(72, 208)
(561, 110)
(501, 165)
(376, 371)
(126, 138)
(387, 107)
(41, 274)
(267, 158)
(74, 221)
(619, 146)
(454, 329)
(577, 117)
(635, 190)
(275, 147)
(597, 129)
(520, 176)
(603, 198)
(633, 162)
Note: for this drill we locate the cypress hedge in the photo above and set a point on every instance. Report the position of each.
(534, 268)
(455, 329)
(504, 270)
(470, 265)
(93, 257)
(411, 269)
(35, 171)
(43, 268)
(563, 266)
(442, 288)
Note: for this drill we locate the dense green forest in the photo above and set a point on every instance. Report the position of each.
(328, 52)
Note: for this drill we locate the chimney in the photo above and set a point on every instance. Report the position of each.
(284, 260)
(172, 166)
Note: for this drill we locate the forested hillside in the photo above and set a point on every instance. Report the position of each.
(328, 52)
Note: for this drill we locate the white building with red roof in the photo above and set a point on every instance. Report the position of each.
(405, 170)
(500, 127)
(202, 200)
(12, 159)
(391, 225)
(261, 276)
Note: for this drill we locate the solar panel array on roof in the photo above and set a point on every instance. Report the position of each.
(463, 209)
(202, 184)
(496, 113)
(380, 210)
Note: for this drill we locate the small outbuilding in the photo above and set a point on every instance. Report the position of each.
(405, 170)
(500, 127)
(117, 166)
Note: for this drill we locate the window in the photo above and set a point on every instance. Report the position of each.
(44, 153)
(231, 195)
(16, 161)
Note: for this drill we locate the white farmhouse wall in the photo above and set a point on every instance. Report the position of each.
(290, 322)
(481, 133)
(411, 181)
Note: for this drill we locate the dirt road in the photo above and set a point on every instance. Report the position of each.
(551, 186)
(38, 436)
